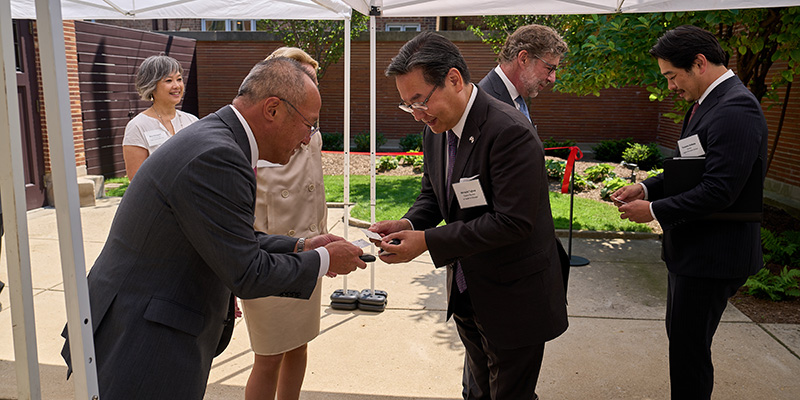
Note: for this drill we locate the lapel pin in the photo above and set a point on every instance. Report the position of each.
(472, 139)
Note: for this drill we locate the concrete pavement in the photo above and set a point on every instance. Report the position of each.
(615, 348)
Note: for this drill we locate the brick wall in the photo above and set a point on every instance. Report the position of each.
(74, 94)
(615, 114)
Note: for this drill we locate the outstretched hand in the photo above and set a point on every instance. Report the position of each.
(412, 244)
(344, 258)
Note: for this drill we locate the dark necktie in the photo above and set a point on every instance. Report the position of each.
(694, 109)
(523, 107)
(452, 146)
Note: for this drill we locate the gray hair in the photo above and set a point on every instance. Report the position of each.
(275, 77)
(537, 40)
(151, 71)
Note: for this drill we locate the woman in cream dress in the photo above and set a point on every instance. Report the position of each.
(290, 200)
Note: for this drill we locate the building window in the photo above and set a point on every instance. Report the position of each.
(402, 28)
(229, 25)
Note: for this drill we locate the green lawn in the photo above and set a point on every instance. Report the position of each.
(396, 193)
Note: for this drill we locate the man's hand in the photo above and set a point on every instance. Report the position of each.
(412, 244)
(636, 211)
(321, 240)
(344, 257)
(628, 194)
(384, 228)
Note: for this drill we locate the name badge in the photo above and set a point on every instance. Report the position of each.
(691, 147)
(155, 138)
(469, 193)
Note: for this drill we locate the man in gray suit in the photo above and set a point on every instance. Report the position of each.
(528, 62)
(182, 242)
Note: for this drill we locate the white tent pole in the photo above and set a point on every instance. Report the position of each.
(372, 135)
(18, 254)
(65, 193)
(346, 145)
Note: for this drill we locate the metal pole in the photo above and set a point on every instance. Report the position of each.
(65, 189)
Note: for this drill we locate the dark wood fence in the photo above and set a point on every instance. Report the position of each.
(108, 58)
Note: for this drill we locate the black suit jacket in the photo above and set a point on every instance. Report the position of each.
(181, 242)
(733, 132)
(506, 247)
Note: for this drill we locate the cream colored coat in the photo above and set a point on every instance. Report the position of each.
(290, 200)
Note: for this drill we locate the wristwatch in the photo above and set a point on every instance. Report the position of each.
(301, 244)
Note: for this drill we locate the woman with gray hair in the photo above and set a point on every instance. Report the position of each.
(160, 80)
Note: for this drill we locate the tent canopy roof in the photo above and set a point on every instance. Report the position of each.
(186, 9)
(426, 8)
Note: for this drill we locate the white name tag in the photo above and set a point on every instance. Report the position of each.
(469, 193)
(155, 138)
(691, 147)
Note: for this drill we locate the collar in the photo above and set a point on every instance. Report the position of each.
(460, 125)
(512, 90)
(728, 74)
(250, 138)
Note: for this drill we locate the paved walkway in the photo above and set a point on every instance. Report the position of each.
(615, 348)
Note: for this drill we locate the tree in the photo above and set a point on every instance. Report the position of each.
(322, 39)
(611, 51)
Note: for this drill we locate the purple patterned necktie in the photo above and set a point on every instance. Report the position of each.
(452, 146)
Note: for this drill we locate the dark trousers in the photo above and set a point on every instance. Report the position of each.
(491, 372)
(694, 309)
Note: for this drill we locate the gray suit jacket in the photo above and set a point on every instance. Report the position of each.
(181, 242)
(493, 84)
(733, 132)
(506, 247)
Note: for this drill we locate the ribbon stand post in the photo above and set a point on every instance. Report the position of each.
(569, 182)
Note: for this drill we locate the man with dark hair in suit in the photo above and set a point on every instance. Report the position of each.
(182, 242)
(484, 176)
(528, 62)
(708, 259)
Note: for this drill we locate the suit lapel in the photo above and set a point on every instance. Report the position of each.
(228, 116)
(500, 87)
(470, 136)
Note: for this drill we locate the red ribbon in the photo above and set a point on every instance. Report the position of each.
(574, 154)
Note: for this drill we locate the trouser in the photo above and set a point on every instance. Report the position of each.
(694, 309)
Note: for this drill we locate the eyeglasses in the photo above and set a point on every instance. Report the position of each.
(313, 127)
(409, 108)
(550, 67)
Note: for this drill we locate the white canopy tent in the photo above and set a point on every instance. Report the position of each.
(49, 15)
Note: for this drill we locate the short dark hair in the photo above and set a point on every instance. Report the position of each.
(432, 52)
(680, 46)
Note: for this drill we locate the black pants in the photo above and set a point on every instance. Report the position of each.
(694, 309)
(491, 372)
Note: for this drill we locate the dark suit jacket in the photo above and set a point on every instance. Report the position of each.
(493, 84)
(506, 250)
(181, 242)
(731, 127)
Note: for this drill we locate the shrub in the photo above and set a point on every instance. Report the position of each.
(783, 249)
(409, 160)
(387, 163)
(599, 172)
(562, 153)
(610, 185)
(362, 141)
(411, 142)
(654, 172)
(582, 183)
(555, 169)
(332, 141)
(646, 157)
(776, 287)
(611, 150)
